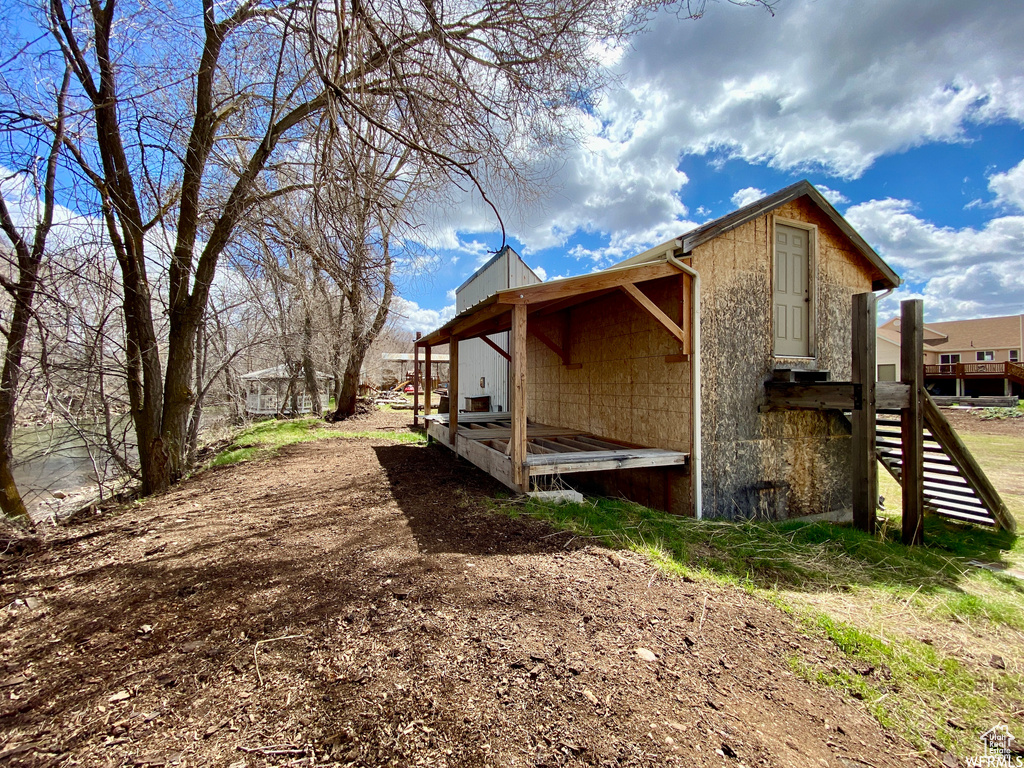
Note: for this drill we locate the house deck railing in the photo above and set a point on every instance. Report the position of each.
(969, 370)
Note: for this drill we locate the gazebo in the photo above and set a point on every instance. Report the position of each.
(267, 391)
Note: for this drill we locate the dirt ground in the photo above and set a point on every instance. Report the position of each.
(970, 420)
(359, 602)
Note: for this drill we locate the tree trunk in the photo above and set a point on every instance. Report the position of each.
(362, 337)
(346, 405)
(10, 498)
(308, 368)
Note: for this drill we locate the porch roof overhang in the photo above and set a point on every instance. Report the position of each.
(494, 314)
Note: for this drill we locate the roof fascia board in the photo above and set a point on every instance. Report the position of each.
(468, 323)
(608, 278)
(767, 204)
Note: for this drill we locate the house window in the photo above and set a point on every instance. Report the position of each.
(1014, 355)
(951, 359)
(986, 356)
(887, 372)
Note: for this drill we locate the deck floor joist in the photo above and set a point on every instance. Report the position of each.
(483, 440)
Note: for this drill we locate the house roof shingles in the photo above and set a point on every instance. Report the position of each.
(993, 333)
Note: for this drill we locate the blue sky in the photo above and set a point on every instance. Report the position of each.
(908, 115)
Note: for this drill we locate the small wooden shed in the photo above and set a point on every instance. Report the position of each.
(651, 376)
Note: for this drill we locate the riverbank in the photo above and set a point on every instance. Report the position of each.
(359, 601)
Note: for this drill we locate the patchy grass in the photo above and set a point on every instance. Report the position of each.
(792, 555)
(266, 438)
(843, 584)
(911, 687)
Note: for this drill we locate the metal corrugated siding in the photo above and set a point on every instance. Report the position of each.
(476, 359)
(520, 274)
(489, 280)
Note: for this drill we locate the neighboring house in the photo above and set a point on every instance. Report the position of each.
(650, 375)
(483, 369)
(963, 358)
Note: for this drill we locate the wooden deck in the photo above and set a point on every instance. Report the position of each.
(483, 439)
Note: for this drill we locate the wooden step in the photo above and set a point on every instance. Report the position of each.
(955, 506)
(947, 481)
(962, 518)
(968, 500)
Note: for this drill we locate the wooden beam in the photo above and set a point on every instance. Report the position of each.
(485, 313)
(583, 446)
(912, 419)
(492, 462)
(453, 388)
(547, 342)
(430, 380)
(550, 308)
(416, 381)
(556, 446)
(685, 316)
(863, 464)
(831, 395)
(597, 281)
(493, 345)
(600, 461)
(643, 302)
(517, 441)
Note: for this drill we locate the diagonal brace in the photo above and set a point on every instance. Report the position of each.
(655, 311)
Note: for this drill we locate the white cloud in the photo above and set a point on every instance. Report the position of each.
(834, 197)
(413, 317)
(746, 196)
(818, 87)
(540, 272)
(624, 244)
(1009, 187)
(961, 272)
(864, 79)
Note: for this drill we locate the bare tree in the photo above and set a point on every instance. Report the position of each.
(22, 288)
(178, 117)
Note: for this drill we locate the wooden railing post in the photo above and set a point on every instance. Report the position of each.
(864, 465)
(416, 380)
(453, 388)
(430, 381)
(517, 440)
(912, 419)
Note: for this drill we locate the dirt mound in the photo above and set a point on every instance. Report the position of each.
(986, 421)
(354, 603)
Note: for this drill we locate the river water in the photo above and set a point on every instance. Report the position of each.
(55, 457)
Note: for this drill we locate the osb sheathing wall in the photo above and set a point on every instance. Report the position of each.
(623, 389)
(779, 464)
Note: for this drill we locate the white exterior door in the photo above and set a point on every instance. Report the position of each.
(792, 299)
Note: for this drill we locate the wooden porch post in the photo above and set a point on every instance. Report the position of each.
(416, 381)
(864, 464)
(912, 419)
(430, 381)
(453, 388)
(517, 441)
